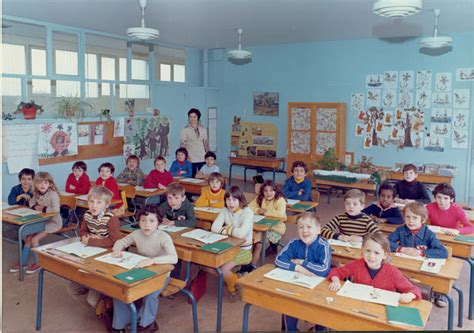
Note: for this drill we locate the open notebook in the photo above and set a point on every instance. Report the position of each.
(204, 236)
(81, 250)
(22, 211)
(295, 278)
(368, 293)
(355, 245)
(128, 260)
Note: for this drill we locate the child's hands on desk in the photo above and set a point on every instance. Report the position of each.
(335, 284)
(72, 187)
(145, 263)
(302, 270)
(411, 251)
(165, 221)
(407, 297)
(117, 254)
(39, 208)
(161, 186)
(261, 211)
(297, 261)
(23, 196)
(85, 239)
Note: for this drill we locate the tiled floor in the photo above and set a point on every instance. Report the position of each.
(63, 312)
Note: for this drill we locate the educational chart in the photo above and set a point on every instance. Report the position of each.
(57, 140)
(253, 139)
(146, 137)
(22, 147)
(411, 109)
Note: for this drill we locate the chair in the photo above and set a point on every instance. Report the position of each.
(249, 196)
(127, 192)
(177, 285)
(70, 202)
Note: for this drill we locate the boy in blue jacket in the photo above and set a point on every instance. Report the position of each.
(22, 193)
(385, 210)
(298, 186)
(181, 167)
(309, 254)
(414, 238)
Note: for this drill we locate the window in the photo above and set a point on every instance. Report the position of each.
(140, 69)
(14, 61)
(38, 67)
(40, 87)
(11, 86)
(170, 63)
(107, 72)
(134, 91)
(179, 73)
(165, 72)
(68, 88)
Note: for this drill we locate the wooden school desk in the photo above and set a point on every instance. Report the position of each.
(311, 204)
(425, 178)
(312, 305)
(81, 200)
(205, 219)
(148, 194)
(95, 275)
(24, 229)
(193, 188)
(257, 163)
(206, 258)
(360, 185)
(442, 282)
(463, 250)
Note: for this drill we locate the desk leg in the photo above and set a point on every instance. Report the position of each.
(133, 311)
(471, 288)
(20, 250)
(245, 323)
(262, 254)
(39, 304)
(220, 285)
(450, 312)
(460, 304)
(230, 174)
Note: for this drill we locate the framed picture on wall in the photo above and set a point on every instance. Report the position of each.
(265, 104)
(349, 158)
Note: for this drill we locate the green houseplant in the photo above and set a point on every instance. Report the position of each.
(69, 107)
(29, 109)
(330, 161)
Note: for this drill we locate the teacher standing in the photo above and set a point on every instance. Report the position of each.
(194, 139)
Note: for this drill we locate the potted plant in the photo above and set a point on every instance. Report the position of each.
(130, 106)
(330, 161)
(366, 165)
(69, 107)
(29, 109)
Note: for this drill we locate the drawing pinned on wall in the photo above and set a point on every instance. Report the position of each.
(362, 115)
(83, 135)
(423, 80)
(357, 101)
(441, 99)
(300, 142)
(410, 123)
(119, 127)
(443, 81)
(374, 124)
(465, 74)
(373, 81)
(406, 80)
(405, 99)
(98, 131)
(389, 98)
(440, 130)
(262, 140)
(423, 98)
(434, 144)
(368, 141)
(57, 140)
(388, 118)
(359, 129)
(459, 139)
(441, 115)
(461, 98)
(390, 80)
(301, 119)
(146, 137)
(460, 119)
(373, 97)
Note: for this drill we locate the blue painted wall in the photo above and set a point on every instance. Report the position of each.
(330, 72)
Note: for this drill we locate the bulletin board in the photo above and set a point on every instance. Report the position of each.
(253, 139)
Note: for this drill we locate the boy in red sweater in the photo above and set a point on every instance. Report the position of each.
(106, 179)
(158, 178)
(372, 270)
(78, 181)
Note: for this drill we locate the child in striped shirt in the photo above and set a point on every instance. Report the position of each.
(352, 225)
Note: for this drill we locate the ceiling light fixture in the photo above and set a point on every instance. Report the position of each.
(143, 33)
(397, 8)
(436, 42)
(239, 56)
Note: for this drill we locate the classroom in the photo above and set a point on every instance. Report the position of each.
(206, 165)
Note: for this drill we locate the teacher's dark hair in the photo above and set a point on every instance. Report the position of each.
(196, 112)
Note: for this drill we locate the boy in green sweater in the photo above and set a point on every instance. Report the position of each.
(177, 210)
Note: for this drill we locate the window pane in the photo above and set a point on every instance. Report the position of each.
(41, 87)
(105, 89)
(11, 86)
(13, 59)
(92, 89)
(68, 88)
(139, 69)
(107, 71)
(123, 69)
(38, 62)
(165, 72)
(134, 91)
(66, 62)
(91, 66)
(179, 73)
(168, 55)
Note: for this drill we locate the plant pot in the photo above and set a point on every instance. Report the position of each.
(29, 113)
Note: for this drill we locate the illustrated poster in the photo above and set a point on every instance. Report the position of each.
(146, 137)
(57, 140)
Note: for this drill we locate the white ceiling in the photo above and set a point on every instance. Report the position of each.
(212, 23)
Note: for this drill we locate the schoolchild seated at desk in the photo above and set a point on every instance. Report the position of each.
(209, 167)
(212, 196)
(106, 179)
(409, 189)
(78, 181)
(181, 167)
(384, 210)
(132, 174)
(158, 178)
(22, 193)
(298, 186)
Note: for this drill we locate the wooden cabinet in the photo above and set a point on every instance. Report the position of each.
(313, 128)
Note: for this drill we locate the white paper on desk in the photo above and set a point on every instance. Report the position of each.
(291, 202)
(82, 197)
(141, 188)
(81, 250)
(209, 209)
(128, 260)
(204, 236)
(337, 242)
(420, 258)
(23, 211)
(368, 293)
(431, 266)
(66, 194)
(257, 218)
(295, 278)
(170, 228)
(442, 230)
(192, 180)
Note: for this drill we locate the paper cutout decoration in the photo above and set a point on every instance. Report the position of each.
(389, 98)
(406, 80)
(405, 99)
(359, 130)
(357, 101)
(423, 99)
(461, 98)
(460, 119)
(465, 74)
(57, 140)
(423, 80)
(441, 99)
(441, 115)
(443, 82)
(390, 80)
(459, 139)
(146, 137)
(373, 97)
(374, 81)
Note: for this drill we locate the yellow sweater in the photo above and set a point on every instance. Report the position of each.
(209, 199)
(274, 208)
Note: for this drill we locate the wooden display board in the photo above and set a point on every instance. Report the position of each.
(312, 129)
(111, 146)
(253, 139)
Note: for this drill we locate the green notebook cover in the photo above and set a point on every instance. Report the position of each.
(267, 222)
(27, 218)
(301, 206)
(135, 275)
(129, 227)
(463, 238)
(216, 247)
(403, 315)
